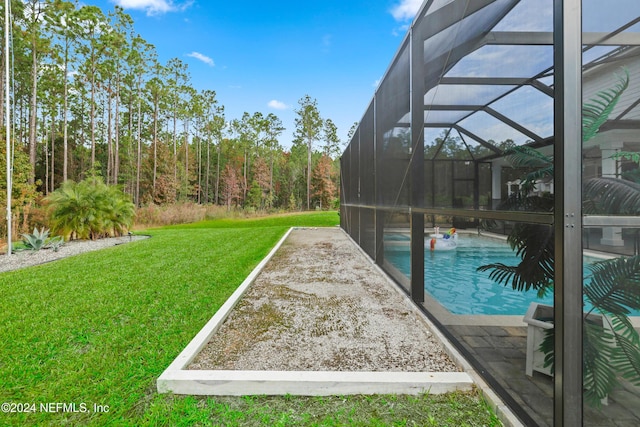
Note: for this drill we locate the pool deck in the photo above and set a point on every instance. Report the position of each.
(502, 351)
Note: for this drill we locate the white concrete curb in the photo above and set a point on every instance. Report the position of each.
(179, 380)
(311, 383)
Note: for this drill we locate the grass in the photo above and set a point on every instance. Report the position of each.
(322, 219)
(99, 328)
(455, 409)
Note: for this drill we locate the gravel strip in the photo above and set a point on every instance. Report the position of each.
(319, 305)
(22, 259)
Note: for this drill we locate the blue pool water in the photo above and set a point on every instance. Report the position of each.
(452, 279)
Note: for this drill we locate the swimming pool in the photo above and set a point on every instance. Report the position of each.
(451, 277)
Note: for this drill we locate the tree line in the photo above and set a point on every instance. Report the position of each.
(89, 97)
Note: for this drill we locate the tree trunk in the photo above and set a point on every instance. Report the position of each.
(53, 154)
(46, 163)
(175, 141)
(186, 157)
(208, 176)
(116, 159)
(199, 154)
(309, 174)
(109, 135)
(217, 173)
(139, 161)
(93, 120)
(271, 181)
(82, 135)
(65, 108)
(155, 142)
(130, 147)
(244, 175)
(3, 88)
(33, 112)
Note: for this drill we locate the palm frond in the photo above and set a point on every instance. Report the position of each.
(615, 286)
(547, 347)
(626, 360)
(534, 243)
(505, 274)
(611, 196)
(597, 110)
(599, 376)
(527, 157)
(611, 348)
(607, 352)
(622, 326)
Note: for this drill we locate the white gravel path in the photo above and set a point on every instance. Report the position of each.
(22, 259)
(320, 305)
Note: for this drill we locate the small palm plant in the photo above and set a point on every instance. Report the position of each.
(90, 209)
(611, 349)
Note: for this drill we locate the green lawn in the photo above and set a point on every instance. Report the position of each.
(99, 328)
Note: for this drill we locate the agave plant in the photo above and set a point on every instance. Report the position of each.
(36, 240)
(612, 349)
(40, 239)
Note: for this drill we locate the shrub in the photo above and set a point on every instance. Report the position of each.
(90, 209)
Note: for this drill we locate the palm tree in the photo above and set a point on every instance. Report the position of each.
(611, 349)
(90, 209)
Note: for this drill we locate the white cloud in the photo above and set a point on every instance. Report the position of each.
(277, 105)
(201, 57)
(406, 10)
(153, 7)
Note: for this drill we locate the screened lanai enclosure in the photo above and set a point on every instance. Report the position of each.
(495, 177)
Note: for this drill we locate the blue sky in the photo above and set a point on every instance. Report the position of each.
(266, 55)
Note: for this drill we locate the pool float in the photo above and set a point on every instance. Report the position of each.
(443, 242)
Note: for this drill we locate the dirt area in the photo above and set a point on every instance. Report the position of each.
(320, 305)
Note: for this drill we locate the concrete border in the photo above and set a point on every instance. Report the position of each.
(311, 383)
(179, 380)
